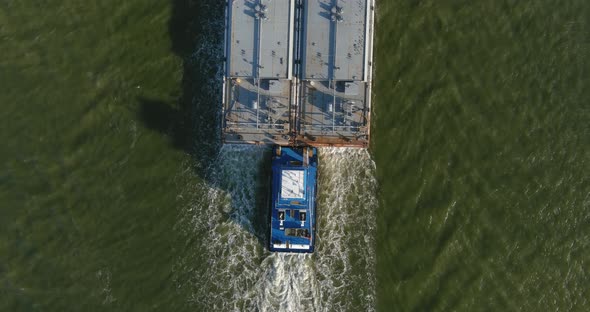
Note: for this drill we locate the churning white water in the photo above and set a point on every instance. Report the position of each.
(233, 269)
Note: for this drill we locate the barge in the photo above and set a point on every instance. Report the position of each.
(297, 75)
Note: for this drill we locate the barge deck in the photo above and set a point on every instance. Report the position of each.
(298, 72)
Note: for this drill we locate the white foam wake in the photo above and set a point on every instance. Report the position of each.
(233, 271)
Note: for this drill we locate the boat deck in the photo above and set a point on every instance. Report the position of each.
(292, 217)
(298, 72)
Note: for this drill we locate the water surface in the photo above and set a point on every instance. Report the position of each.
(115, 193)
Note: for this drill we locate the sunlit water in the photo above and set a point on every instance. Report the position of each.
(240, 274)
(115, 193)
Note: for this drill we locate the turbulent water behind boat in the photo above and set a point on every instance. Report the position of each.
(242, 275)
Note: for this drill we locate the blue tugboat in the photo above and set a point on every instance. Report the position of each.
(292, 216)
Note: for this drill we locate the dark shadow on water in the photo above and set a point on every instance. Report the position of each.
(161, 116)
(192, 122)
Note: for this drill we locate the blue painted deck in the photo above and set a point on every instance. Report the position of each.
(292, 219)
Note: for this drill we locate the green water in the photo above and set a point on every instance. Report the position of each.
(481, 144)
